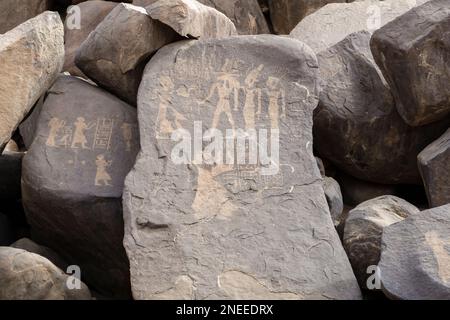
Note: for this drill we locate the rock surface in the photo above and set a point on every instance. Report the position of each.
(75, 32)
(286, 14)
(31, 56)
(115, 53)
(364, 227)
(356, 125)
(333, 195)
(73, 177)
(208, 229)
(434, 165)
(413, 52)
(190, 18)
(415, 258)
(335, 21)
(245, 14)
(28, 276)
(15, 12)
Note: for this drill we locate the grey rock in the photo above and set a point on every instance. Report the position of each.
(31, 56)
(73, 177)
(31, 246)
(245, 14)
(28, 276)
(415, 256)
(115, 53)
(364, 227)
(15, 12)
(333, 195)
(91, 13)
(286, 14)
(214, 230)
(335, 21)
(434, 165)
(356, 125)
(413, 52)
(190, 18)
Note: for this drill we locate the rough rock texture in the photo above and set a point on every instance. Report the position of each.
(31, 55)
(335, 21)
(286, 14)
(15, 12)
(27, 127)
(31, 246)
(415, 257)
(364, 228)
(245, 14)
(190, 18)
(28, 276)
(434, 166)
(356, 125)
(91, 14)
(208, 229)
(334, 199)
(115, 53)
(10, 172)
(73, 177)
(413, 52)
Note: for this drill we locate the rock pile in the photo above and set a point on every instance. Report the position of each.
(175, 149)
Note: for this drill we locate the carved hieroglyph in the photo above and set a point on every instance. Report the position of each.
(225, 199)
(73, 175)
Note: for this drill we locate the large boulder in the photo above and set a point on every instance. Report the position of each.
(91, 13)
(115, 53)
(286, 14)
(15, 12)
(199, 227)
(335, 202)
(190, 18)
(28, 276)
(31, 56)
(335, 21)
(73, 176)
(356, 125)
(415, 256)
(364, 228)
(434, 165)
(245, 14)
(413, 52)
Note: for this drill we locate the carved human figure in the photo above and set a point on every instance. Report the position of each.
(55, 126)
(275, 94)
(251, 92)
(79, 136)
(166, 127)
(102, 177)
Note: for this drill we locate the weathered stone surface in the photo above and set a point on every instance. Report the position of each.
(28, 276)
(245, 14)
(15, 12)
(28, 126)
(115, 53)
(364, 228)
(413, 52)
(10, 172)
(356, 125)
(31, 56)
(208, 229)
(31, 246)
(11, 146)
(335, 21)
(73, 176)
(91, 13)
(286, 14)
(190, 18)
(434, 166)
(415, 258)
(334, 199)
